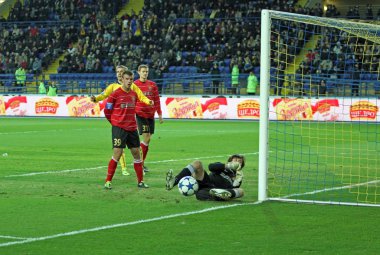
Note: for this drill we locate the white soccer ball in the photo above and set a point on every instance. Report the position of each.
(188, 186)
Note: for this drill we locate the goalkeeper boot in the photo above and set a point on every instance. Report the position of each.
(124, 171)
(170, 179)
(221, 194)
(142, 185)
(108, 185)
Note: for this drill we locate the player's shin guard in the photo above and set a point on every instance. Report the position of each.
(112, 164)
(137, 164)
(144, 149)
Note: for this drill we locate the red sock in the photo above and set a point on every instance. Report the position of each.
(137, 164)
(111, 169)
(144, 148)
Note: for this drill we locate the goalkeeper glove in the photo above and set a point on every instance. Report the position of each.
(238, 179)
(231, 168)
(233, 165)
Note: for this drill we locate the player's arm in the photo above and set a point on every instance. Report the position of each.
(219, 167)
(109, 107)
(140, 95)
(105, 94)
(230, 168)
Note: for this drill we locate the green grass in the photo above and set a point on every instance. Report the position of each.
(51, 189)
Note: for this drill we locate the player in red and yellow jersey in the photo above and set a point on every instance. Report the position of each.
(145, 113)
(105, 94)
(120, 112)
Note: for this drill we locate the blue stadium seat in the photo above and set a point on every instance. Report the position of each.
(330, 85)
(207, 85)
(373, 76)
(178, 69)
(62, 85)
(377, 87)
(194, 69)
(256, 70)
(172, 69)
(82, 85)
(186, 69)
(103, 85)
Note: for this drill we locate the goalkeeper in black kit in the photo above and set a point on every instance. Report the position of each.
(221, 184)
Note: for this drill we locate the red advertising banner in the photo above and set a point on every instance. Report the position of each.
(283, 109)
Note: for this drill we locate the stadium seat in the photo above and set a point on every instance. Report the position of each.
(83, 86)
(377, 87)
(178, 69)
(172, 69)
(207, 84)
(374, 76)
(256, 70)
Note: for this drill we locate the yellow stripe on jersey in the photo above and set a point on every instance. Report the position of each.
(114, 86)
(140, 94)
(107, 92)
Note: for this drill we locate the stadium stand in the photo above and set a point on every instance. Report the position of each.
(179, 40)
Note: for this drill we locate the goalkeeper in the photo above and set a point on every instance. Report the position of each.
(105, 94)
(221, 184)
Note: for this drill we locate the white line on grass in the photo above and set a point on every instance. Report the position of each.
(99, 167)
(82, 231)
(330, 189)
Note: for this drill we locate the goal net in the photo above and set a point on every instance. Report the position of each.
(319, 110)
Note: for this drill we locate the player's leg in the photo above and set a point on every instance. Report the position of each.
(226, 194)
(194, 169)
(123, 164)
(133, 144)
(144, 126)
(145, 148)
(118, 143)
(204, 194)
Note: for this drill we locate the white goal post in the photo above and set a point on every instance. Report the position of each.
(319, 110)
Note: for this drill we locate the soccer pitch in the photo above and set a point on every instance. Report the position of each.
(52, 199)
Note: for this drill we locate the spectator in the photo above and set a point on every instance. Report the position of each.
(215, 78)
(356, 81)
(42, 88)
(322, 88)
(235, 78)
(36, 66)
(20, 76)
(52, 90)
(251, 84)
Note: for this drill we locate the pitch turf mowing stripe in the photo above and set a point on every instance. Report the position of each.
(100, 167)
(77, 232)
(13, 237)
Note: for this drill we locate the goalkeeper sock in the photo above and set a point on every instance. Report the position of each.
(144, 149)
(137, 164)
(122, 161)
(111, 169)
(185, 172)
(235, 193)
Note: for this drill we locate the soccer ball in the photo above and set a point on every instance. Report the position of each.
(188, 186)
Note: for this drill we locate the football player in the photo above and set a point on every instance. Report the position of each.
(105, 94)
(145, 113)
(222, 183)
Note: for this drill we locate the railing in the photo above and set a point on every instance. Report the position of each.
(196, 84)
